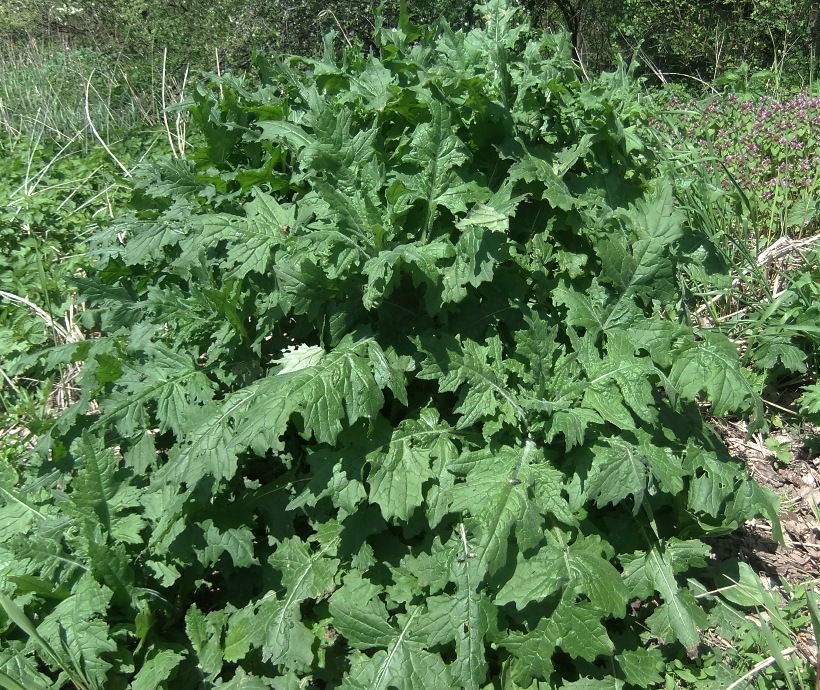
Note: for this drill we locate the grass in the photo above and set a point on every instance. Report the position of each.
(65, 93)
(764, 151)
(71, 128)
(758, 630)
(748, 175)
(42, 89)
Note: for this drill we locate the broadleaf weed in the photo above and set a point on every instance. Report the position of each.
(394, 384)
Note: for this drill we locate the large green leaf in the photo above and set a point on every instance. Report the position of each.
(579, 568)
(205, 633)
(678, 616)
(505, 483)
(466, 619)
(77, 629)
(156, 671)
(274, 624)
(402, 661)
(478, 372)
(251, 247)
(324, 389)
(709, 363)
(96, 482)
(173, 386)
(401, 468)
(436, 153)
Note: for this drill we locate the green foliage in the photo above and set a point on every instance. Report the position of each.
(706, 38)
(46, 203)
(16, 15)
(810, 401)
(685, 39)
(783, 335)
(206, 34)
(701, 38)
(745, 171)
(394, 387)
(759, 628)
(55, 193)
(593, 25)
(767, 148)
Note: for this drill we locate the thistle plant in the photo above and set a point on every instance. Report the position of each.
(392, 388)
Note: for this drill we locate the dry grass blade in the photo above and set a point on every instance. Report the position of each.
(9, 381)
(328, 12)
(64, 392)
(763, 665)
(785, 246)
(68, 334)
(94, 131)
(785, 251)
(175, 141)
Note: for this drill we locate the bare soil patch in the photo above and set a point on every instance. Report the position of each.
(796, 480)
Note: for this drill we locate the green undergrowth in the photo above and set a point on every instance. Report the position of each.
(746, 176)
(751, 194)
(394, 384)
(54, 195)
(763, 149)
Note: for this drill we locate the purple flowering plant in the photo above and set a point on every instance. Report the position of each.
(764, 148)
(747, 173)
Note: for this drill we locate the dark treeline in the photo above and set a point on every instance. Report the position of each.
(700, 38)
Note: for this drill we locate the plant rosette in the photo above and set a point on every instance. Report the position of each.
(394, 389)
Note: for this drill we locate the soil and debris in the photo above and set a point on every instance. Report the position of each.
(792, 471)
(790, 466)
